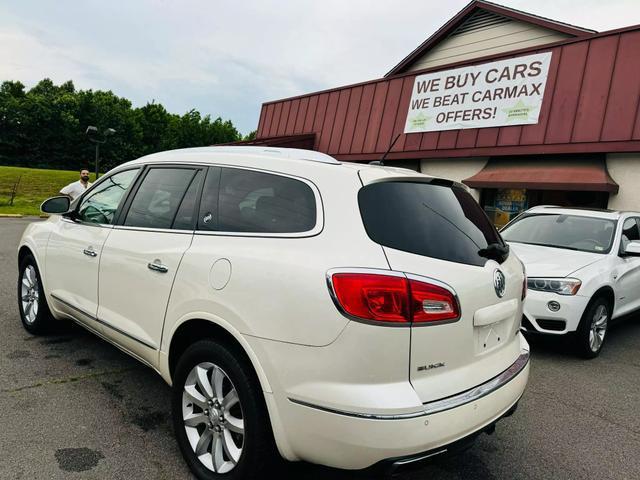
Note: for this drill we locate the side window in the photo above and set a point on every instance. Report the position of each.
(157, 200)
(630, 231)
(259, 202)
(186, 211)
(100, 206)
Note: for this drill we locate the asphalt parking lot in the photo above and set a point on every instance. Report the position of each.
(73, 406)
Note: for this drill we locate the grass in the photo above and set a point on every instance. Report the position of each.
(36, 185)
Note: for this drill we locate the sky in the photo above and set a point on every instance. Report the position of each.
(225, 58)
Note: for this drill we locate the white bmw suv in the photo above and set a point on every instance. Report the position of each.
(583, 268)
(337, 313)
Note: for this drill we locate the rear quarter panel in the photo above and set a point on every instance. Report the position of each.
(277, 288)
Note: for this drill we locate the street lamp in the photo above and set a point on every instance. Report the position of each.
(92, 134)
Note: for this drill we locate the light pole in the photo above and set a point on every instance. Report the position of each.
(92, 134)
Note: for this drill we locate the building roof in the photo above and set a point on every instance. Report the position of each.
(591, 104)
(466, 16)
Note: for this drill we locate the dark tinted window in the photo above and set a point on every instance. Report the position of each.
(101, 204)
(264, 203)
(184, 216)
(158, 197)
(437, 221)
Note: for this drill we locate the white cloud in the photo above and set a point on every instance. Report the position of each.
(226, 58)
(24, 57)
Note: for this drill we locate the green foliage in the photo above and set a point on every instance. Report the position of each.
(45, 127)
(36, 185)
(250, 135)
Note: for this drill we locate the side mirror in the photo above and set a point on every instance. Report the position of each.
(632, 249)
(56, 205)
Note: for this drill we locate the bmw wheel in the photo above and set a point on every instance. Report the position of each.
(219, 415)
(593, 328)
(32, 304)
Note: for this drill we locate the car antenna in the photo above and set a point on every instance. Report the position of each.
(381, 161)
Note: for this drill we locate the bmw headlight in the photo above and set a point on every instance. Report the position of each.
(561, 286)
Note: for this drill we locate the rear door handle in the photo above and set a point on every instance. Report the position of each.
(90, 252)
(156, 266)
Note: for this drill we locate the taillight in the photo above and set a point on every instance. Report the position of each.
(393, 299)
(432, 303)
(372, 297)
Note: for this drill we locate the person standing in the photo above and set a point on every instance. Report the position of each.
(75, 189)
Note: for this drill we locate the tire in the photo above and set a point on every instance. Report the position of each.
(593, 328)
(32, 303)
(243, 439)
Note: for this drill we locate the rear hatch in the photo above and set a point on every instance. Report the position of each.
(434, 229)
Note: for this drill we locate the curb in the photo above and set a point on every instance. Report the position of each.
(11, 215)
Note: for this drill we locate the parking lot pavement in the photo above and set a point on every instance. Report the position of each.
(73, 406)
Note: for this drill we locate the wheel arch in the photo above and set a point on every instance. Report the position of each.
(193, 329)
(23, 252)
(198, 327)
(608, 294)
(26, 249)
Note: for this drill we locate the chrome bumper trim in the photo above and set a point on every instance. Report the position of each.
(368, 416)
(481, 390)
(441, 405)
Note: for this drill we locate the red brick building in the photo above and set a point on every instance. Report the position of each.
(582, 149)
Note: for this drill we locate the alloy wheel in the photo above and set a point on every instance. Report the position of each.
(212, 416)
(598, 328)
(29, 294)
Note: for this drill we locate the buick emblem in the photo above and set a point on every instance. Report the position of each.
(499, 283)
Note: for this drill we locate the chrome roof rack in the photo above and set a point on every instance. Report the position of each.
(278, 152)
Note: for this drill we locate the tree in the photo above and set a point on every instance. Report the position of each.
(12, 136)
(45, 126)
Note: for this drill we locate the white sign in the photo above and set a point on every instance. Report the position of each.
(508, 92)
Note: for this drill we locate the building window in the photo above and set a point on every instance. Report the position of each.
(504, 204)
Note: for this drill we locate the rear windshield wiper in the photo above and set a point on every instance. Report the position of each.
(494, 251)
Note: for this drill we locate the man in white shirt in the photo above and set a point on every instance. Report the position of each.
(75, 189)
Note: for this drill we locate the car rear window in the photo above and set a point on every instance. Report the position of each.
(440, 221)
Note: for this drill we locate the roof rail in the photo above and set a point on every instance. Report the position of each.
(278, 152)
(292, 153)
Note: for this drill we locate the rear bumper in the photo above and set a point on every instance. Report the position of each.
(392, 465)
(353, 440)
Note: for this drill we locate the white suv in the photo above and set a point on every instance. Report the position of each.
(583, 268)
(337, 313)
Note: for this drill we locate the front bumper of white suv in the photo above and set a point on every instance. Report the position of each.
(540, 318)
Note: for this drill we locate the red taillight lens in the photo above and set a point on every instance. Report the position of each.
(432, 303)
(387, 298)
(372, 297)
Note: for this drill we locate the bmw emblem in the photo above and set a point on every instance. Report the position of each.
(499, 283)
